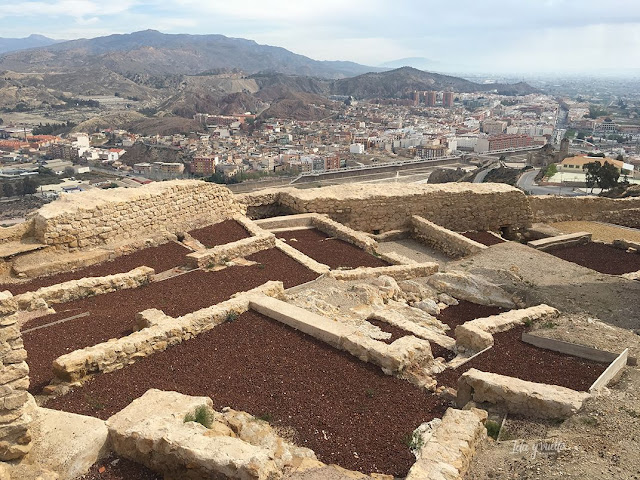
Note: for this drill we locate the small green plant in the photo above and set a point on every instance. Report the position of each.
(202, 415)
(262, 266)
(589, 421)
(370, 392)
(630, 412)
(265, 417)
(493, 429)
(414, 440)
(211, 264)
(232, 316)
(94, 403)
(528, 323)
(548, 324)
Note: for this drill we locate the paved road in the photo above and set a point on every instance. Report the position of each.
(526, 183)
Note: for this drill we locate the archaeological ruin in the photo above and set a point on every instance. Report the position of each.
(181, 331)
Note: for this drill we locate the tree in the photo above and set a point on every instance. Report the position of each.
(592, 170)
(69, 172)
(620, 157)
(609, 176)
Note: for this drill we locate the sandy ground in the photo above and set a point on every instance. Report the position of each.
(603, 232)
(415, 251)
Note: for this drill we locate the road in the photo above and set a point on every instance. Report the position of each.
(527, 183)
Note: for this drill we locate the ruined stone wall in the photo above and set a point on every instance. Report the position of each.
(93, 218)
(450, 243)
(369, 208)
(15, 438)
(16, 232)
(559, 209)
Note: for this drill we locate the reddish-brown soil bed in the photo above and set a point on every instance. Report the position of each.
(396, 332)
(465, 311)
(118, 468)
(161, 258)
(485, 238)
(347, 411)
(512, 357)
(113, 315)
(600, 257)
(220, 233)
(331, 251)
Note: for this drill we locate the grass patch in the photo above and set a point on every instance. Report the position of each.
(370, 392)
(202, 415)
(493, 429)
(232, 316)
(414, 441)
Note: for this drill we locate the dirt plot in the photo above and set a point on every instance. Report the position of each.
(396, 332)
(113, 315)
(465, 311)
(331, 251)
(512, 357)
(118, 468)
(220, 233)
(600, 257)
(161, 258)
(349, 412)
(485, 238)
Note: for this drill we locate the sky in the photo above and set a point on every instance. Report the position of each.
(465, 35)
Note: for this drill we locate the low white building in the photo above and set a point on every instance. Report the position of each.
(357, 148)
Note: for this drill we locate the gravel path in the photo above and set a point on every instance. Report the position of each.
(347, 411)
(330, 251)
(113, 315)
(512, 357)
(220, 233)
(161, 258)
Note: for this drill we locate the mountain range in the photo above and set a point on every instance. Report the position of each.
(32, 41)
(186, 74)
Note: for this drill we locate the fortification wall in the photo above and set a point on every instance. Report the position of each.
(369, 208)
(625, 211)
(93, 218)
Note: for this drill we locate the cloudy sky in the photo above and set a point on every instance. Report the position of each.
(484, 35)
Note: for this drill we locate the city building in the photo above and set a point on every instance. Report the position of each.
(428, 152)
(430, 99)
(447, 99)
(502, 142)
(204, 165)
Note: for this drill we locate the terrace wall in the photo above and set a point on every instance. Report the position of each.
(369, 208)
(93, 218)
(559, 209)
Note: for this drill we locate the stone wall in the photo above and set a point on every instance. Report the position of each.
(371, 208)
(549, 208)
(85, 287)
(450, 243)
(158, 332)
(223, 253)
(450, 445)
(16, 232)
(15, 419)
(94, 218)
(519, 396)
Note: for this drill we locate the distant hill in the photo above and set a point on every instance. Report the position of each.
(32, 41)
(420, 63)
(403, 81)
(155, 53)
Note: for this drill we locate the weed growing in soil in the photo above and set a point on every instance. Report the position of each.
(202, 415)
(262, 266)
(265, 417)
(414, 441)
(94, 403)
(589, 421)
(528, 323)
(493, 429)
(231, 316)
(548, 325)
(630, 412)
(370, 392)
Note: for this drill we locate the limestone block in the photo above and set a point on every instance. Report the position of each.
(473, 288)
(519, 396)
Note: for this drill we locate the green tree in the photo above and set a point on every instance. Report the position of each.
(69, 172)
(8, 190)
(29, 186)
(592, 170)
(608, 177)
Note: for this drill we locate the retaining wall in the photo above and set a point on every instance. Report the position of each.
(372, 208)
(93, 218)
(548, 208)
(222, 253)
(450, 243)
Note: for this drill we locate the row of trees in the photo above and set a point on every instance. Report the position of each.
(604, 176)
(26, 186)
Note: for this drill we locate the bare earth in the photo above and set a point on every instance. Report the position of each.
(603, 232)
